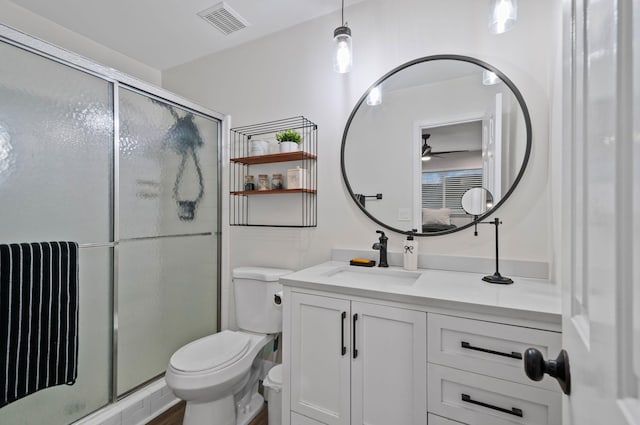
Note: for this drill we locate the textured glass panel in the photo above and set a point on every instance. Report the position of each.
(168, 169)
(166, 298)
(56, 142)
(64, 404)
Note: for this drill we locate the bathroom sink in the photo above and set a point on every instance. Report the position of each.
(371, 275)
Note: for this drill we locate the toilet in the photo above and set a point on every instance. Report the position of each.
(218, 375)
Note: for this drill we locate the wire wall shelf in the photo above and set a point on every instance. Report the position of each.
(290, 202)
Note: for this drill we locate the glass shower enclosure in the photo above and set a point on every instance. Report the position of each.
(131, 173)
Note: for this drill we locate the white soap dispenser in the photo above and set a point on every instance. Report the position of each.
(410, 252)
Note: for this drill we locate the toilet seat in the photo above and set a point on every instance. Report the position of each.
(213, 376)
(211, 353)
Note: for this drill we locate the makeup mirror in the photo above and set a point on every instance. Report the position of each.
(477, 201)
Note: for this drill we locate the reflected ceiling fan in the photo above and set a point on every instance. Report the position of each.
(427, 152)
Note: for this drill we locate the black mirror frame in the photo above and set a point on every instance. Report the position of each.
(482, 64)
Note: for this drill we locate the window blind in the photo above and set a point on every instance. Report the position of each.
(444, 189)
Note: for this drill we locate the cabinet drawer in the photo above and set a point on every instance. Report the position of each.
(488, 348)
(297, 419)
(437, 420)
(481, 400)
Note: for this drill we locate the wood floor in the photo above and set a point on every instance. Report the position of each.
(175, 414)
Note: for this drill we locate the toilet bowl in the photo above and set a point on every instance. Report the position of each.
(218, 375)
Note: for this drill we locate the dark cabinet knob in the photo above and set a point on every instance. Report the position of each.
(535, 366)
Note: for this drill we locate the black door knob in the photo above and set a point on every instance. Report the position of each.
(535, 366)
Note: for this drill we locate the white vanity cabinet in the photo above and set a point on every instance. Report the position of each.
(445, 349)
(354, 362)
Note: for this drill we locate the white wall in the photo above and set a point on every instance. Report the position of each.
(290, 73)
(28, 22)
(554, 88)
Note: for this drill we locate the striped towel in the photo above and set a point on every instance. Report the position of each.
(38, 317)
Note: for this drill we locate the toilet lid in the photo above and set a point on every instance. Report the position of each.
(212, 352)
(265, 274)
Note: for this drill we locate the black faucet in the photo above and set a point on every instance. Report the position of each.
(382, 247)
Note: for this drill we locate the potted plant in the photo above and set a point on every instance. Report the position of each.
(289, 140)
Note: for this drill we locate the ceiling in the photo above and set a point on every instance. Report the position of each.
(166, 33)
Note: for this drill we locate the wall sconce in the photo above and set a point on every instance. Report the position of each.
(503, 15)
(375, 96)
(342, 59)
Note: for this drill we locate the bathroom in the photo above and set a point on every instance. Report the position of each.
(289, 73)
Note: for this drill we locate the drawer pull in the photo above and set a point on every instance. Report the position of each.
(513, 411)
(343, 351)
(513, 354)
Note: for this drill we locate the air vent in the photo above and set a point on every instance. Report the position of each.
(224, 18)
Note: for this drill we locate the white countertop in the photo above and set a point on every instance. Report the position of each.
(526, 298)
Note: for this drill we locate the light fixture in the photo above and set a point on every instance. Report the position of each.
(342, 59)
(375, 96)
(489, 78)
(503, 15)
(426, 149)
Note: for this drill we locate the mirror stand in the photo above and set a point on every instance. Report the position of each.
(495, 277)
(477, 201)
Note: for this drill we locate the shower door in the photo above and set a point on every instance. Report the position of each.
(56, 153)
(131, 173)
(167, 244)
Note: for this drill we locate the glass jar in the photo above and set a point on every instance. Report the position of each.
(276, 182)
(263, 182)
(249, 183)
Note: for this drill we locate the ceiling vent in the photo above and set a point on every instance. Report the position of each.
(224, 18)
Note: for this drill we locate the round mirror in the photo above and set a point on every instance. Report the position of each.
(427, 132)
(477, 201)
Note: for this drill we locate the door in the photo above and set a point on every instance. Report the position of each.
(388, 365)
(492, 150)
(320, 353)
(601, 219)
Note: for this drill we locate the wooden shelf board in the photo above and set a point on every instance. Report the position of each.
(271, 192)
(274, 157)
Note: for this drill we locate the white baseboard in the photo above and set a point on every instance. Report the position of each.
(136, 409)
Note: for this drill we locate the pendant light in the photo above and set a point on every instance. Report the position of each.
(342, 59)
(503, 15)
(375, 96)
(489, 78)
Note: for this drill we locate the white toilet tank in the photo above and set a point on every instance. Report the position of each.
(255, 288)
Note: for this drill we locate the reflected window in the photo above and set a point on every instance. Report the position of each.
(444, 189)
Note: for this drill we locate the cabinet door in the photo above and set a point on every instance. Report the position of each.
(297, 419)
(388, 366)
(320, 358)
